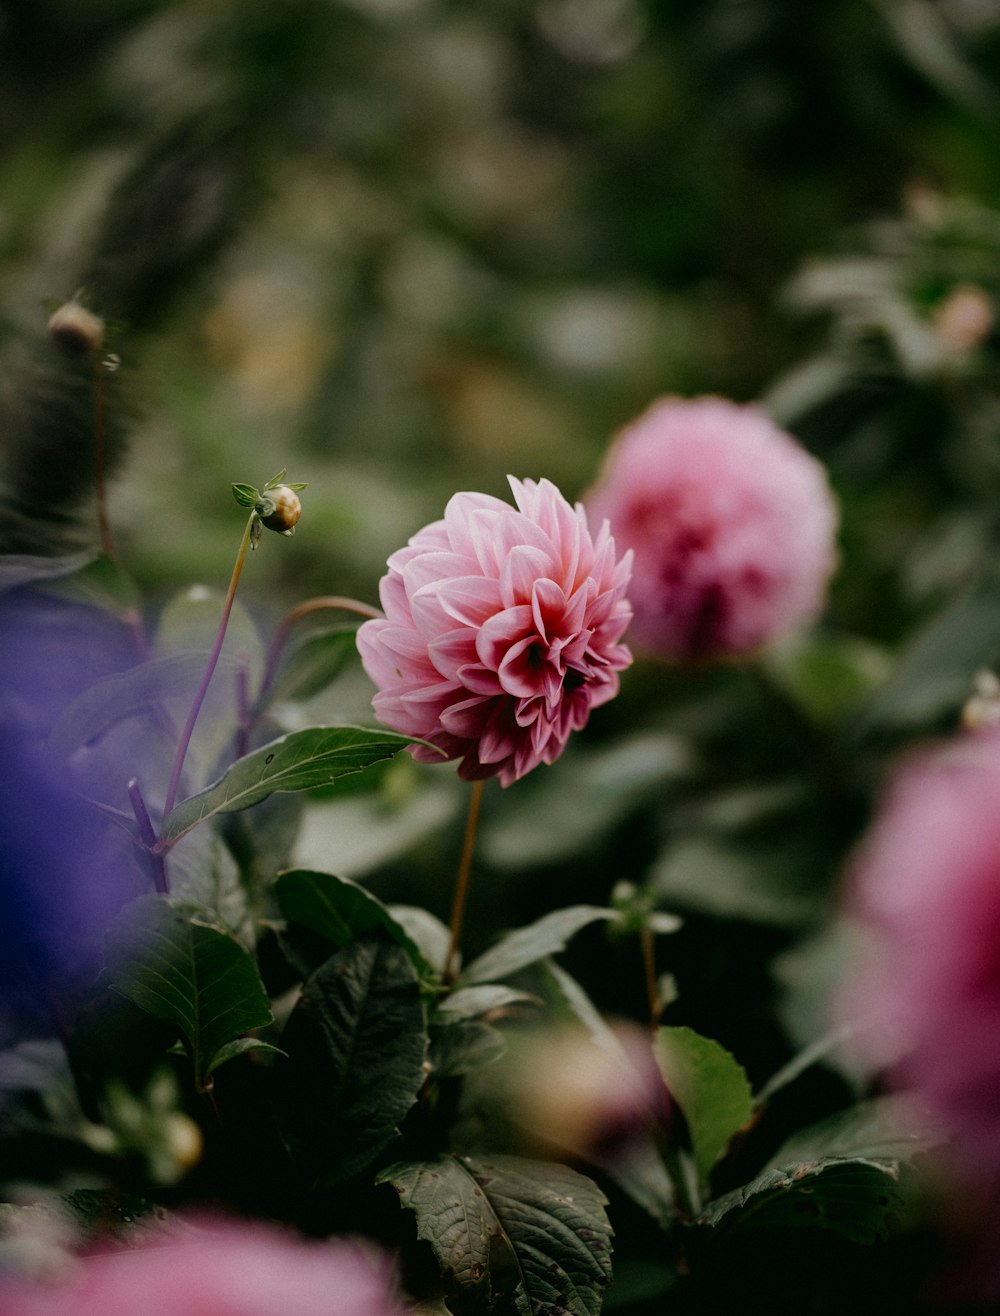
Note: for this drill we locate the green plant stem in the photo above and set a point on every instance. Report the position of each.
(213, 659)
(646, 941)
(324, 603)
(462, 883)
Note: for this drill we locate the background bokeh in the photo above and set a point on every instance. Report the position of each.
(404, 247)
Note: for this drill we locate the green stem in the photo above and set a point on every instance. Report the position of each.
(646, 940)
(213, 659)
(462, 883)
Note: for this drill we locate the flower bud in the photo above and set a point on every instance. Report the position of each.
(280, 509)
(76, 329)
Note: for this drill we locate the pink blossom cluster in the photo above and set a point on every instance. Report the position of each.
(223, 1269)
(927, 887)
(731, 521)
(502, 630)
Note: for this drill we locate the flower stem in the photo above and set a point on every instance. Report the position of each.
(149, 838)
(103, 521)
(649, 969)
(462, 883)
(325, 603)
(213, 659)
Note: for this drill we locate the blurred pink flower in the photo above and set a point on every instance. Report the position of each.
(502, 630)
(927, 886)
(225, 1269)
(732, 524)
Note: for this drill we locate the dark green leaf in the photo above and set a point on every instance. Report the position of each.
(887, 1128)
(460, 1046)
(172, 960)
(298, 761)
(710, 1087)
(240, 1046)
(338, 909)
(936, 671)
(858, 1199)
(547, 936)
(245, 494)
(356, 1045)
(532, 1232)
(313, 665)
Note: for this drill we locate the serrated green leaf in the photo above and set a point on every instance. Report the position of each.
(172, 960)
(535, 942)
(298, 761)
(859, 1199)
(338, 909)
(533, 1234)
(887, 1128)
(245, 494)
(124, 695)
(710, 1087)
(356, 1046)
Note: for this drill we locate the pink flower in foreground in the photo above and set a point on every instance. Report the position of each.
(732, 524)
(927, 884)
(502, 630)
(225, 1270)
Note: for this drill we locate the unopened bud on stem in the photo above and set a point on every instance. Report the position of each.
(279, 509)
(76, 329)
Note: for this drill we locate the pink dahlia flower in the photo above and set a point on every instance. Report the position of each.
(502, 630)
(225, 1270)
(927, 884)
(731, 522)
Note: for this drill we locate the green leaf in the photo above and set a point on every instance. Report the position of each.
(172, 960)
(124, 695)
(313, 665)
(338, 909)
(245, 494)
(503, 1228)
(463, 1045)
(19, 569)
(858, 1199)
(547, 936)
(318, 756)
(100, 583)
(356, 1045)
(888, 1128)
(710, 1087)
(935, 673)
(240, 1046)
(487, 999)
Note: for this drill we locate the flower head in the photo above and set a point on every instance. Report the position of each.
(239, 1270)
(927, 885)
(732, 524)
(502, 630)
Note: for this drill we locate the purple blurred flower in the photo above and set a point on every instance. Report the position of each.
(502, 630)
(225, 1269)
(731, 522)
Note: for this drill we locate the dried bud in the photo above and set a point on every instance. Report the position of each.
(76, 329)
(280, 509)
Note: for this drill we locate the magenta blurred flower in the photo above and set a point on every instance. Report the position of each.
(732, 524)
(927, 885)
(502, 630)
(225, 1269)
